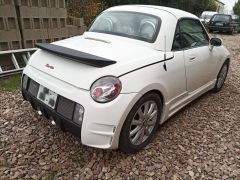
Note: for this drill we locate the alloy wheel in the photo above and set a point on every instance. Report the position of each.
(143, 122)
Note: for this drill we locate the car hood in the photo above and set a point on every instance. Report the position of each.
(128, 56)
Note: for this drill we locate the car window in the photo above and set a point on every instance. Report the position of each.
(139, 26)
(235, 18)
(222, 18)
(177, 40)
(192, 34)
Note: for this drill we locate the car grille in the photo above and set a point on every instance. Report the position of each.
(33, 88)
(64, 106)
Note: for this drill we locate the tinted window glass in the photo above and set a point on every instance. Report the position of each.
(222, 18)
(128, 24)
(235, 18)
(177, 40)
(192, 34)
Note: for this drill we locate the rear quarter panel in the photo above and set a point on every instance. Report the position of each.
(171, 83)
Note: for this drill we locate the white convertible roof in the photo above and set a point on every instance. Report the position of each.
(150, 10)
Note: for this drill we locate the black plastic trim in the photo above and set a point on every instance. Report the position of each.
(75, 55)
(64, 123)
(217, 28)
(146, 66)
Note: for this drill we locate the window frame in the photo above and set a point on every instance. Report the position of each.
(177, 29)
(178, 26)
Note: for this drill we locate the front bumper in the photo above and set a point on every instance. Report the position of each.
(220, 28)
(102, 123)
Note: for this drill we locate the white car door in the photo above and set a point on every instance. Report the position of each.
(198, 57)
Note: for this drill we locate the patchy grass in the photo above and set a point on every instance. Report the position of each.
(236, 50)
(78, 159)
(51, 176)
(10, 83)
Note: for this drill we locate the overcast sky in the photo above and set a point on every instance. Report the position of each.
(229, 4)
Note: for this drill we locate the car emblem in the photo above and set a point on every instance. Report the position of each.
(49, 66)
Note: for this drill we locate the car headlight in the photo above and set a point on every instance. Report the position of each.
(106, 89)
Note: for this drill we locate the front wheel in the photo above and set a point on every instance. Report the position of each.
(222, 75)
(141, 123)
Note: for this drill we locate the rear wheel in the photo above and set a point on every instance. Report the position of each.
(141, 123)
(222, 75)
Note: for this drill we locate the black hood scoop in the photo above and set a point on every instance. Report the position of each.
(75, 55)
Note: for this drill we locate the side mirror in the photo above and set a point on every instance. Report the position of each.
(215, 42)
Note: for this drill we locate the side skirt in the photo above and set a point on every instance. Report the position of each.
(191, 96)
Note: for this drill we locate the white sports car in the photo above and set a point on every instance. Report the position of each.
(134, 68)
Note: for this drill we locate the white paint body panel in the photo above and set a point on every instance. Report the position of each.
(137, 67)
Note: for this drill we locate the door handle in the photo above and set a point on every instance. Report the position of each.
(193, 59)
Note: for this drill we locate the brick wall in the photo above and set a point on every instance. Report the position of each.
(26, 22)
(10, 37)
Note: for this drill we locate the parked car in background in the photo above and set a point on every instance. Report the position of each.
(134, 68)
(224, 23)
(236, 21)
(206, 16)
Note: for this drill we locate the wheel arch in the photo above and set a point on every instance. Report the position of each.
(157, 88)
(159, 93)
(138, 96)
(226, 60)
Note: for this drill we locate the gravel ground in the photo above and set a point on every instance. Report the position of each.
(200, 142)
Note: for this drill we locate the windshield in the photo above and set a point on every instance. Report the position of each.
(206, 16)
(223, 18)
(128, 24)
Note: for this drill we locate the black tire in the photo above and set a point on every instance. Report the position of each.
(125, 142)
(218, 87)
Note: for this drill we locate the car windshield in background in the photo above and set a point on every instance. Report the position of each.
(222, 18)
(206, 16)
(128, 24)
(235, 18)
